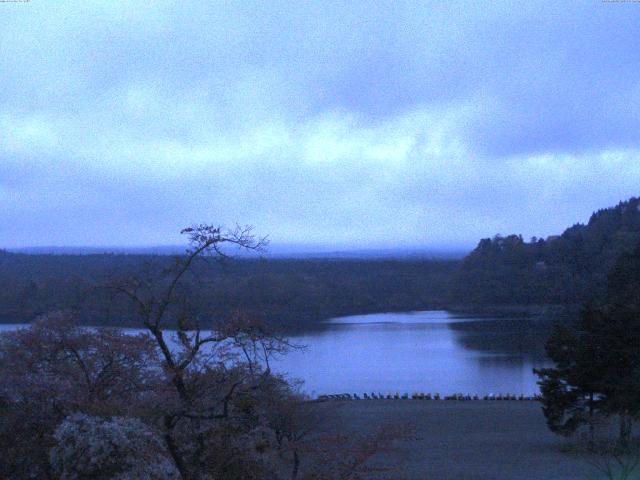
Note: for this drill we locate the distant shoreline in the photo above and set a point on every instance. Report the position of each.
(545, 312)
(515, 310)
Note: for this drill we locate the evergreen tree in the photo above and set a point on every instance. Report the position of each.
(597, 360)
(622, 379)
(572, 390)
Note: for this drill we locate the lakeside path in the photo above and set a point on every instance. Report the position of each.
(465, 440)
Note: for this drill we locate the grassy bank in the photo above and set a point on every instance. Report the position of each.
(466, 440)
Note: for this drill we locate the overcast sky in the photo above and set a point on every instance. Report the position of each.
(348, 124)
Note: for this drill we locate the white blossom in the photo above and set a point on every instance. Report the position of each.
(109, 449)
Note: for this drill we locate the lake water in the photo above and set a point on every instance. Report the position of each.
(433, 351)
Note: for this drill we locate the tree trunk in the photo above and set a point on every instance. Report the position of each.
(625, 431)
(173, 449)
(296, 465)
(591, 425)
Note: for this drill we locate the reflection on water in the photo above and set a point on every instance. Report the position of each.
(519, 337)
(431, 351)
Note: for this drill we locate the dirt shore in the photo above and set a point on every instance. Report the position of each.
(488, 440)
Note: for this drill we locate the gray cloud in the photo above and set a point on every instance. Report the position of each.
(378, 123)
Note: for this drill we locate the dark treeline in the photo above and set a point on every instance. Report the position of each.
(569, 269)
(292, 291)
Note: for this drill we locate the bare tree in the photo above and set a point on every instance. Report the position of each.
(209, 369)
(203, 384)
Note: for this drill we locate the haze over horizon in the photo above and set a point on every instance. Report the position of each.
(347, 126)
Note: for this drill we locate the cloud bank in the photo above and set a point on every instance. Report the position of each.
(349, 124)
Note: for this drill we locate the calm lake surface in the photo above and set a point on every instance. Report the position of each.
(432, 351)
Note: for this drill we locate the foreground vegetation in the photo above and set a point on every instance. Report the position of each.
(79, 403)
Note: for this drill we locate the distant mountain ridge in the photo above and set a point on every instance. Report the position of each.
(571, 268)
(277, 251)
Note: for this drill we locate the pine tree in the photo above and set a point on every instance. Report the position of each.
(597, 360)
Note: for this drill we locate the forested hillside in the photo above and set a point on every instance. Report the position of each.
(568, 269)
(294, 292)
